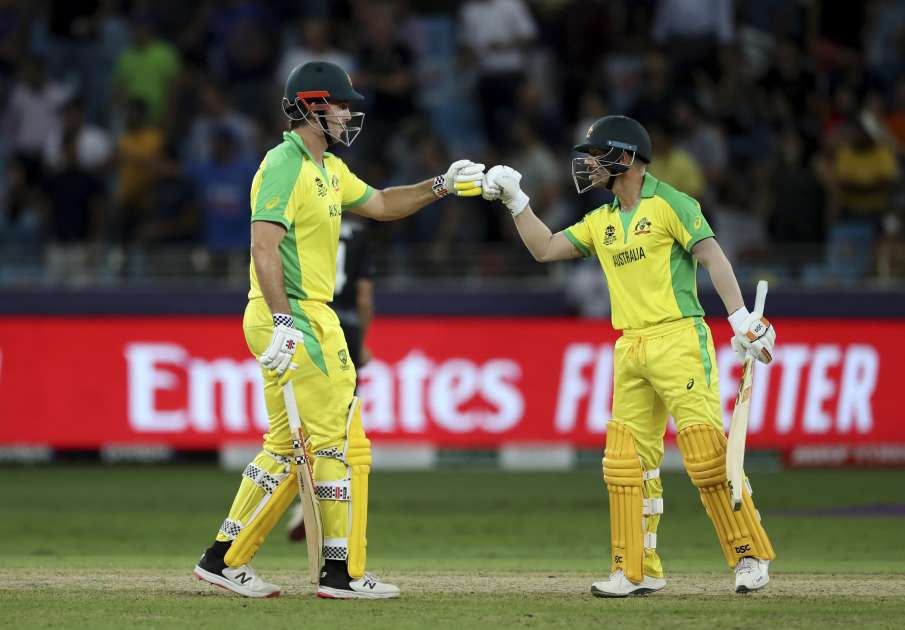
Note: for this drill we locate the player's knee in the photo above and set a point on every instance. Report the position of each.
(703, 449)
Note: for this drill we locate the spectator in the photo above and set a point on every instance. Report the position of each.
(741, 229)
(245, 52)
(313, 44)
(174, 214)
(692, 31)
(13, 40)
(789, 85)
(674, 165)
(223, 182)
(798, 197)
(385, 73)
(495, 35)
(657, 91)
(884, 40)
(138, 152)
(217, 113)
(535, 107)
(895, 118)
(541, 174)
(20, 208)
(93, 144)
(76, 203)
(702, 140)
(32, 113)
(864, 171)
(145, 69)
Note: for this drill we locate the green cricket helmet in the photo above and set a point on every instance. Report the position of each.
(608, 140)
(310, 90)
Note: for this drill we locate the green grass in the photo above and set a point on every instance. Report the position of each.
(98, 546)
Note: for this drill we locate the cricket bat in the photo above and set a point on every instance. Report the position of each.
(314, 533)
(738, 426)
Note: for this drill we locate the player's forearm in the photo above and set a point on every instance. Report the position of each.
(402, 201)
(269, 270)
(724, 281)
(535, 235)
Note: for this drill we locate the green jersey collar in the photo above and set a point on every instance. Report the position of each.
(294, 138)
(648, 189)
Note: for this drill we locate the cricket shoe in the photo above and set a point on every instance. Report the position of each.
(242, 580)
(335, 583)
(620, 586)
(296, 524)
(751, 574)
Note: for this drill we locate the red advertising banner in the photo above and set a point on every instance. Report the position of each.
(453, 382)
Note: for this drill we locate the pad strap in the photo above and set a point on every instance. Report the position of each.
(650, 540)
(336, 548)
(339, 490)
(263, 479)
(652, 506)
(651, 474)
(230, 528)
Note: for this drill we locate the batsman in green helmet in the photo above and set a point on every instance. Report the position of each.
(298, 198)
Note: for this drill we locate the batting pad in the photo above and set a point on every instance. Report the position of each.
(624, 478)
(741, 534)
(358, 458)
(266, 491)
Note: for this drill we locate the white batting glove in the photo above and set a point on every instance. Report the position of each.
(463, 179)
(284, 342)
(754, 335)
(502, 182)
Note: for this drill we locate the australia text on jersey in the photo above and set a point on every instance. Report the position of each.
(628, 256)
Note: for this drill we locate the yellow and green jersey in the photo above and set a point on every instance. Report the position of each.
(308, 199)
(646, 254)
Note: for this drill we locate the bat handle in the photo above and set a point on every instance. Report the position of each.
(760, 297)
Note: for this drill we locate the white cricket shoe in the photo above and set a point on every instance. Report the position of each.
(751, 574)
(620, 586)
(242, 580)
(335, 583)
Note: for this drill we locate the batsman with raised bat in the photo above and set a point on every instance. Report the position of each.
(298, 198)
(648, 242)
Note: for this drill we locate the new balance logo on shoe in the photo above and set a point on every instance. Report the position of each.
(369, 583)
(244, 579)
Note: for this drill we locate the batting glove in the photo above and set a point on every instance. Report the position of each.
(502, 182)
(284, 342)
(754, 335)
(463, 179)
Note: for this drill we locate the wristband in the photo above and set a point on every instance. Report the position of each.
(282, 319)
(440, 189)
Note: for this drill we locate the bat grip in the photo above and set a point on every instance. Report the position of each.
(760, 297)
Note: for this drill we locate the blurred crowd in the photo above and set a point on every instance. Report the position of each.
(131, 129)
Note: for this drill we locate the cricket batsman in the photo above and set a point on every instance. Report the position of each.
(649, 241)
(298, 197)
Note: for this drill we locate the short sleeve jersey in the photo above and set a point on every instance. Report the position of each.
(308, 199)
(646, 254)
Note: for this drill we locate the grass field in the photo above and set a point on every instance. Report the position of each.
(109, 547)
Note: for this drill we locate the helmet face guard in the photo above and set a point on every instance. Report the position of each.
(315, 104)
(589, 171)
